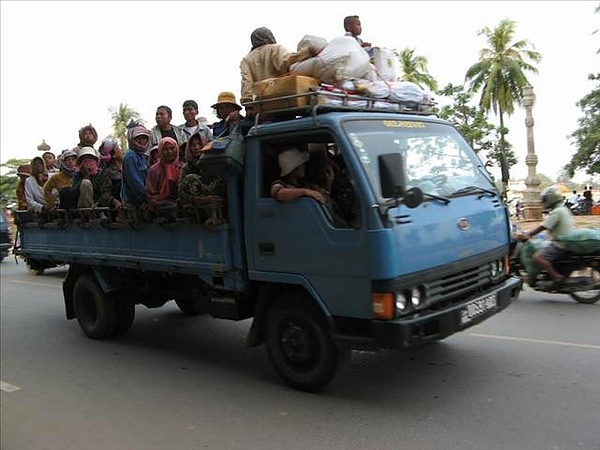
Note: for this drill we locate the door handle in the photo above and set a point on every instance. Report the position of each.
(266, 248)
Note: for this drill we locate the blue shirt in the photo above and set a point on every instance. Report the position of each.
(135, 170)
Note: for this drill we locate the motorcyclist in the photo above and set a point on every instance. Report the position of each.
(559, 223)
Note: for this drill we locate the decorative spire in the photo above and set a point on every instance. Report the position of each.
(43, 147)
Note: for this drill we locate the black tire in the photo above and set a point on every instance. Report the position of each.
(300, 346)
(591, 296)
(96, 311)
(125, 315)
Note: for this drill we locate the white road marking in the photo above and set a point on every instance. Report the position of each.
(37, 284)
(6, 387)
(535, 341)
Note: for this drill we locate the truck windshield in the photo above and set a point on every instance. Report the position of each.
(436, 157)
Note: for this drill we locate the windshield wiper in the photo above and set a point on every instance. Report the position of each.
(392, 202)
(444, 200)
(472, 189)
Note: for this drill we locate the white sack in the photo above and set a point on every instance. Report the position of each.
(342, 59)
(316, 42)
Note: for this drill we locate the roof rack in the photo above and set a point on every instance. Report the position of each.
(321, 101)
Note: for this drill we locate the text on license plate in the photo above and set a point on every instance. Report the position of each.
(477, 307)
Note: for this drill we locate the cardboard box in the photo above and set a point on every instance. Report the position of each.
(270, 90)
(287, 85)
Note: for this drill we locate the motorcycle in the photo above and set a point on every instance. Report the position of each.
(584, 269)
(581, 208)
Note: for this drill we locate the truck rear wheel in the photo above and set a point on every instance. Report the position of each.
(96, 311)
(300, 346)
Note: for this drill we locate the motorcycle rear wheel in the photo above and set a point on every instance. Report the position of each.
(591, 296)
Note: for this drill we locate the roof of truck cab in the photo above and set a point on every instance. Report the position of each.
(283, 123)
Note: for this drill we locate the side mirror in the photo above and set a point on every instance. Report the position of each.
(391, 175)
(413, 197)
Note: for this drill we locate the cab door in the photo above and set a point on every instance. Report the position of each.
(296, 241)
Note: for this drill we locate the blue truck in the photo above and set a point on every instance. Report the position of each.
(424, 255)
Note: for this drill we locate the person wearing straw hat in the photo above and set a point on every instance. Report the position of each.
(226, 109)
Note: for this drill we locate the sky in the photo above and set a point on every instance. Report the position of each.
(67, 64)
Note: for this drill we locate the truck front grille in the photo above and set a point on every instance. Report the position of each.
(457, 286)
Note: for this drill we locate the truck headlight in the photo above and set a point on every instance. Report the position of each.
(401, 301)
(496, 269)
(416, 296)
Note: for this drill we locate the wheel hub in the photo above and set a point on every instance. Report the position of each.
(296, 343)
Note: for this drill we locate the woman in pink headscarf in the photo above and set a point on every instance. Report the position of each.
(162, 182)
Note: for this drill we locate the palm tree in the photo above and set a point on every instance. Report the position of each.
(414, 68)
(121, 117)
(500, 71)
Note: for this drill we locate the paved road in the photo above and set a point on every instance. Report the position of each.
(525, 379)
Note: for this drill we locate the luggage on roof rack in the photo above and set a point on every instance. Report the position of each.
(322, 99)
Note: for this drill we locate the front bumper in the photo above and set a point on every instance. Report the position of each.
(423, 328)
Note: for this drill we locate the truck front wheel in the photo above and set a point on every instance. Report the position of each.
(300, 346)
(96, 311)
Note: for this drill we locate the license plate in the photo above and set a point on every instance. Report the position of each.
(476, 308)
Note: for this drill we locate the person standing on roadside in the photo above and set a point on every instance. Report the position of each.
(587, 196)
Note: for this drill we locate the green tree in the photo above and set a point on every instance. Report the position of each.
(545, 181)
(9, 181)
(468, 119)
(587, 137)
(121, 116)
(500, 72)
(414, 69)
(472, 123)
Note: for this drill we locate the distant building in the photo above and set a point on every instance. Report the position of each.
(515, 189)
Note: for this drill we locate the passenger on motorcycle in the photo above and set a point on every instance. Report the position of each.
(559, 223)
